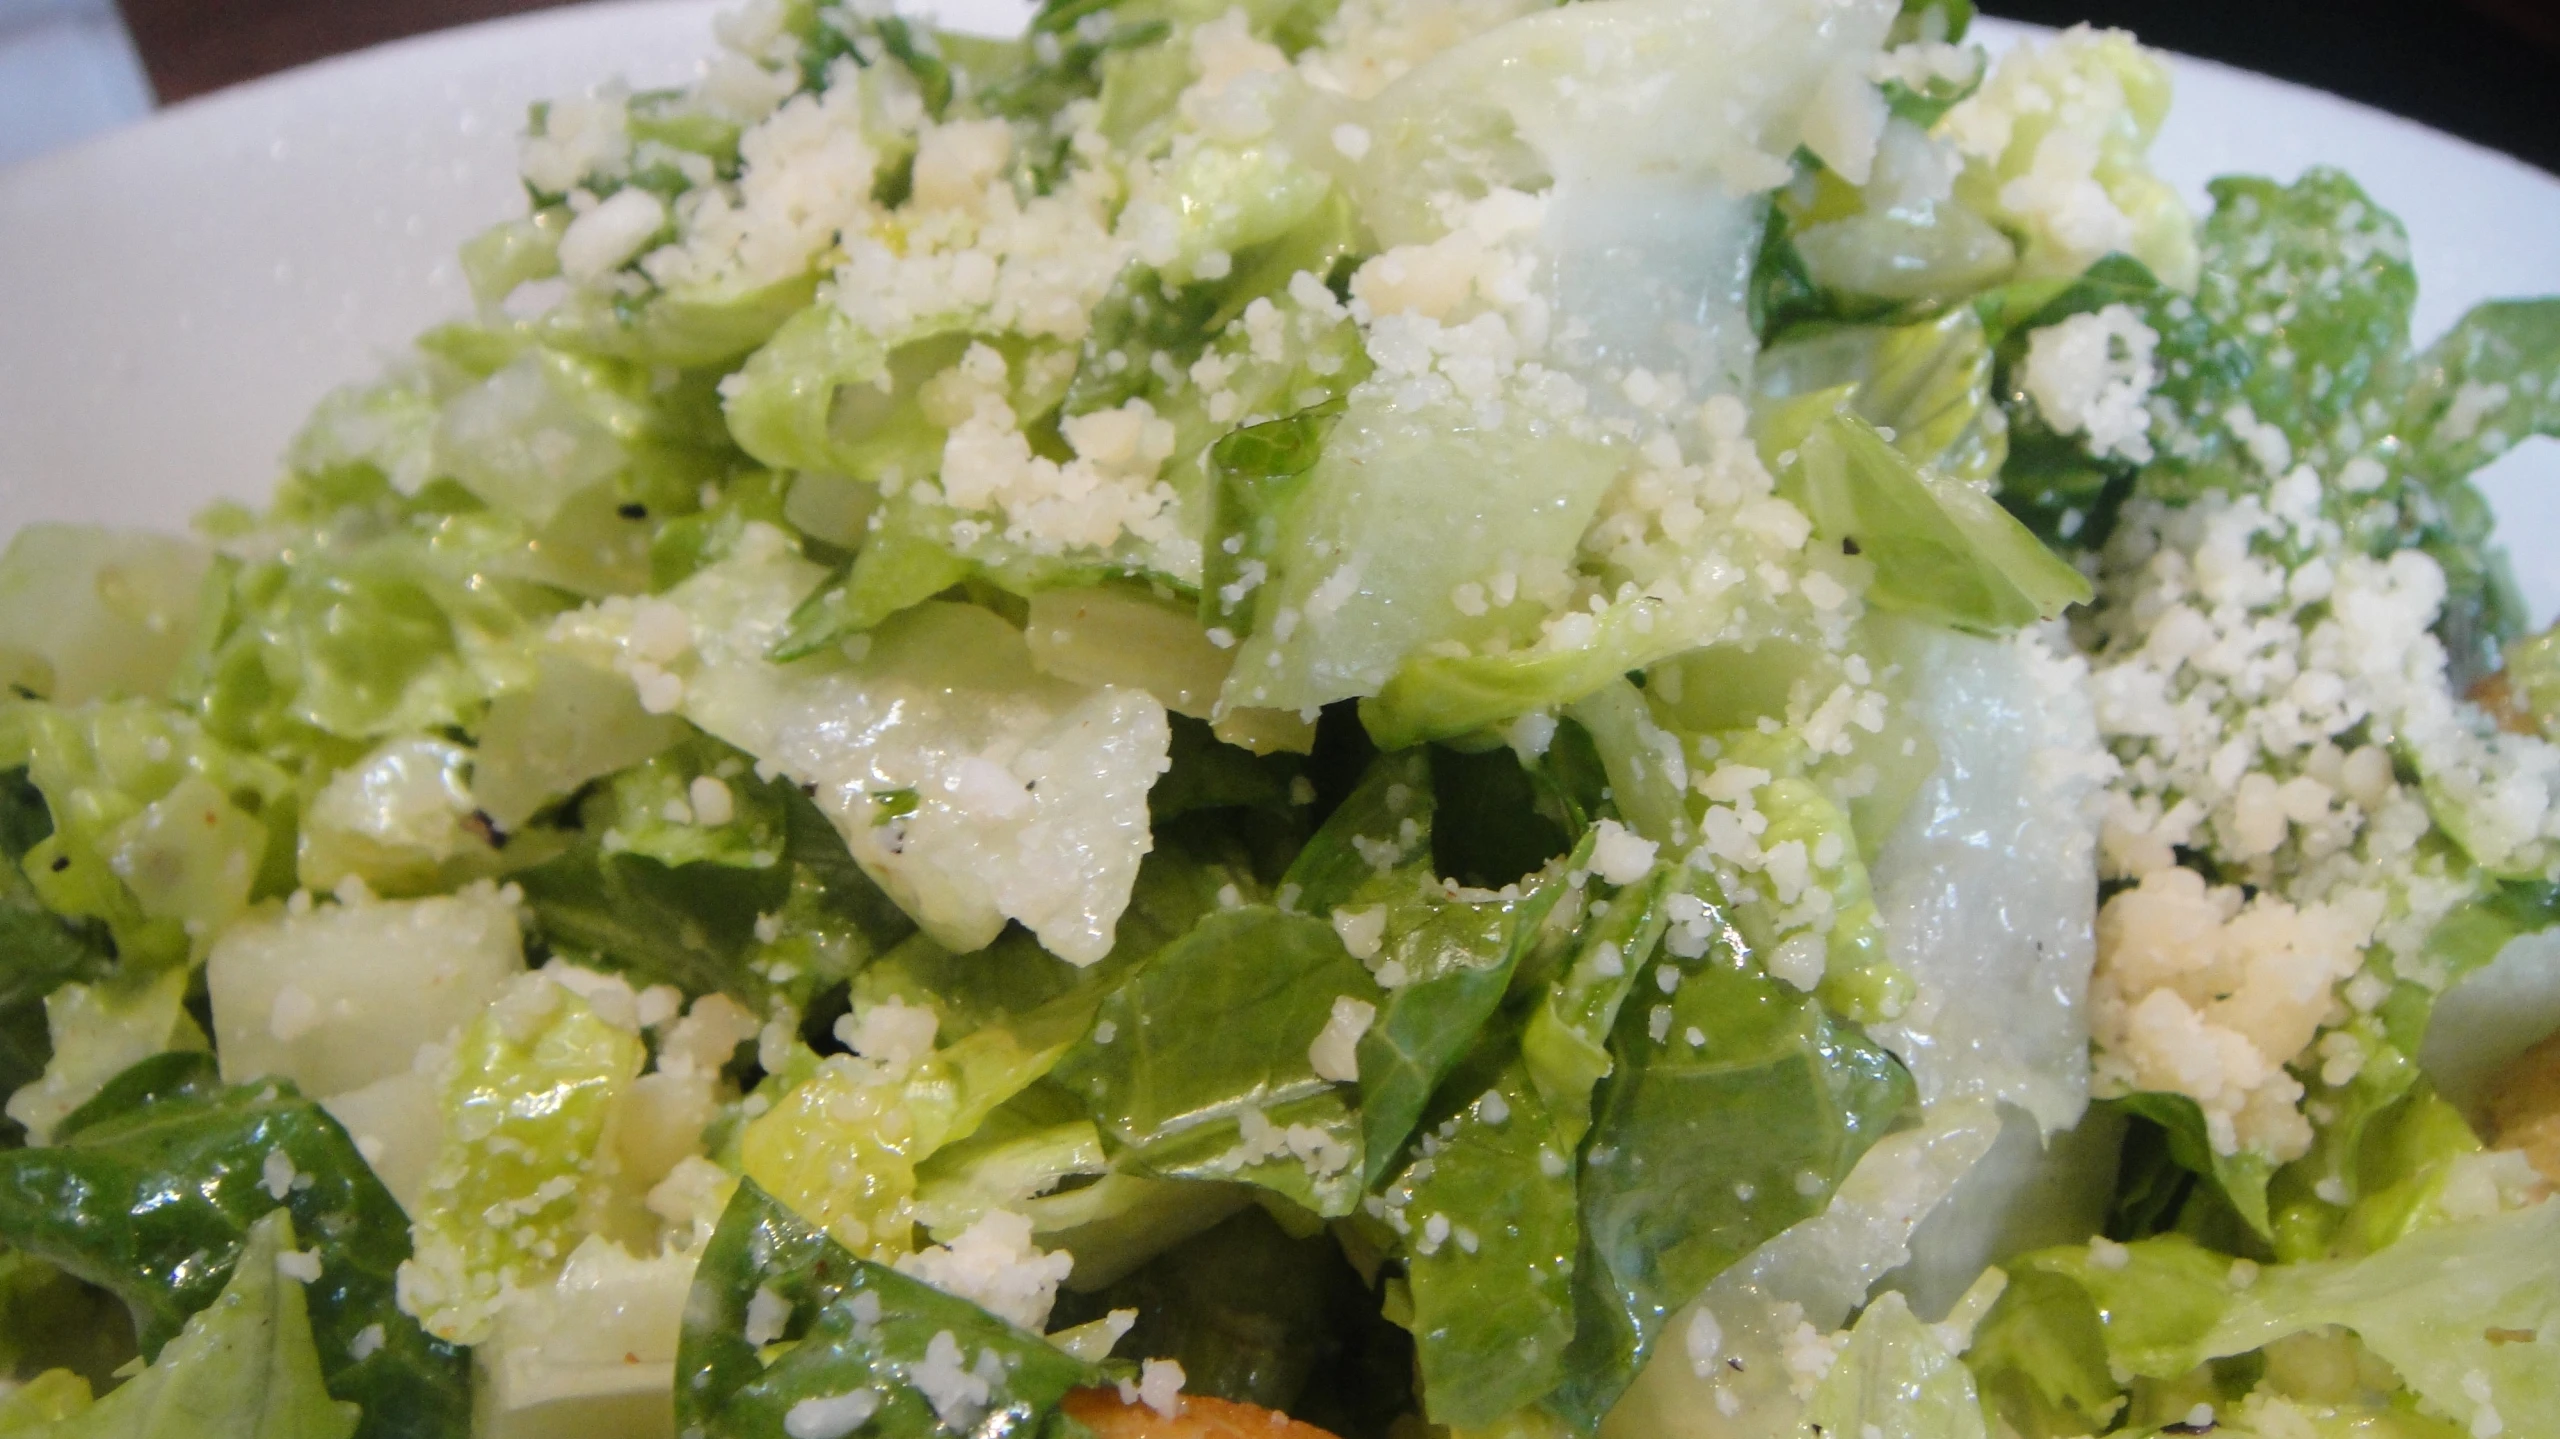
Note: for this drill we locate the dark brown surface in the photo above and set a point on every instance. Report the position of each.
(2488, 70)
(192, 46)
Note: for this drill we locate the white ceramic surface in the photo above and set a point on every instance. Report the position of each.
(175, 296)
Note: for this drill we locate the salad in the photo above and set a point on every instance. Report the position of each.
(1375, 718)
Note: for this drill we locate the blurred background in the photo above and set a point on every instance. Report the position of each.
(2487, 70)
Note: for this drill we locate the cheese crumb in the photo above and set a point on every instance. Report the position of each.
(1335, 1051)
(2092, 375)
(995, 1265)
(831, 1416)
(711, 801)
(895, 1034)
(1619, 855)
(1160, 1386)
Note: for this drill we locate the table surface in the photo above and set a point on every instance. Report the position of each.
(2487, 70)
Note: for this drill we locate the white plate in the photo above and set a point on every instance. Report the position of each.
(175, 296)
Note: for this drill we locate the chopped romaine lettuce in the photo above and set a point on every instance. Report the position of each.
(1491, 1235)
(99, 1031)
(1739, 1106)
(335, 997)
(971, 787)
(243, 1368)
(1370, 544)
(1205, 1065)
(152, 1190)
(863, 1346)
(1942, 549)
(1895, 1379)
(533, 1085)
(160, 830)
(2484, 387)
(92, 613)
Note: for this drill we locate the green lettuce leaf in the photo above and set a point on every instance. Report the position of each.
(569, 723)
(1928, 384)
(905, 560)
(2319, 259)
(44, 950)
(1199, 1066)
(1367, 543)
(244, 1366)
(698, 926)
(1491, 1233)
(2177, 1127)
(650, 809)
(1565, 1041)
(683, 325)
(2455, 1310)
(1453, 955)
(2052, 481)
(366, 634)
(2155, 1300)
(101, 1204)
(535, 1081)
(1942, 549)
(1894, 1379)
(928, 1363)
(2485, 387)
(88, 612)
(96, 1033)
(886, 1122)
(160, 831)
(1737, 1106)
(2039, 1359)
(2462, 1312)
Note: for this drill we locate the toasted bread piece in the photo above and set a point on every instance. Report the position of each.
(1197, 1417)
(2525, 1112)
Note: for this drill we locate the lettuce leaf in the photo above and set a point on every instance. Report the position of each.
(2052, 481)
(651, 809)
(971, 787)
(1366, 543)
(1894, 1379)
(2462, 1312)
(88, 612)
(1943, 550)
(2239, 1179)
(2039, 1359)
(98, 1032)
(2323, 261)
(45, 951)
(928, 1363)
(887, 1121)
(243, 1367)
(2483, 388)
(1491, 1233)
(2454, 1309)
(1929, 385)
(1205, 1072)
(534, 1083)
(1737, 1107)
(160, 831)
(1565, 1042)
(101, 1203)
(698, 926)
(1453, 955)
